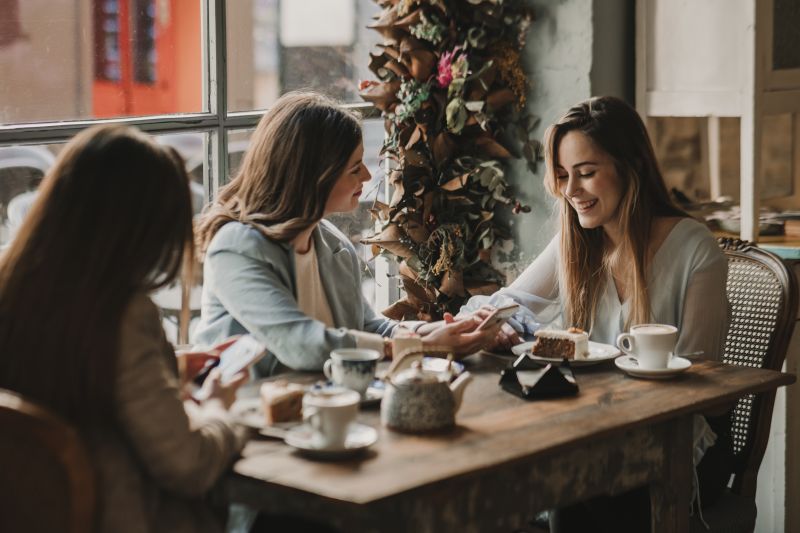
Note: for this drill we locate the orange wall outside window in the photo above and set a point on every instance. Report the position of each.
(178, 84)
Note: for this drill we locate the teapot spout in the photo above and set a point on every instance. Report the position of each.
(458, 386)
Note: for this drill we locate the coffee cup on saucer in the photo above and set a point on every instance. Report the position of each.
(352, 368)
(651, 344)
(330, 412)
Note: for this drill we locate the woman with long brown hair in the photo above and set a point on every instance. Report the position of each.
(625, 255)
(275, 268)
(78, 334)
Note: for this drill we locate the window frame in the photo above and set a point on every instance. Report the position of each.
(216, 121)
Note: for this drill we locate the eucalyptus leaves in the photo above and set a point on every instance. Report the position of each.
(451, 88)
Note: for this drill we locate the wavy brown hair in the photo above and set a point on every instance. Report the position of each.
(586, 254)
(298, 151)
(112, 217)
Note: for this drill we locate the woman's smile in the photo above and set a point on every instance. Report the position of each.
(584, 206)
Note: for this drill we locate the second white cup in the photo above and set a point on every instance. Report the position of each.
(330, 412)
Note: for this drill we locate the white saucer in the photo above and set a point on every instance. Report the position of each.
(630, 365)
(360, 437)
(598, 352)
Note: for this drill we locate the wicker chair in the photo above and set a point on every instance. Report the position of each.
(46, 481)
(762, 293)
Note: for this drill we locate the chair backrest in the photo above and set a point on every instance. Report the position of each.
(46, 479)
(762, 293)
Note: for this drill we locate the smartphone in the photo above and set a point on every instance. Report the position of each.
(239, 356)
(498, 316)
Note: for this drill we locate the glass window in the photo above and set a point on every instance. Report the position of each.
(277, 46)
(100, 58)
(73, 62)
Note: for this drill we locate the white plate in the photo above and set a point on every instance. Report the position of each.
(630, 365)
(360, 437)
(598, 352)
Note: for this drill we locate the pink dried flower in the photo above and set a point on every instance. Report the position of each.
(445, 67)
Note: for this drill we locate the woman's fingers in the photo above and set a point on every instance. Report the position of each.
(511, 334)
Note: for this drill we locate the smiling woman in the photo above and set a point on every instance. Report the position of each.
(625, 255)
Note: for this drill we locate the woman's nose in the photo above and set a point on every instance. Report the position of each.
(573, 187)
(366, 175)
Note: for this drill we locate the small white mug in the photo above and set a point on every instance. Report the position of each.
(352, 368)
(330, 412)
(651, 344)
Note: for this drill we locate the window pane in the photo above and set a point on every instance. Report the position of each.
(275, 46)
(99, 58)
(356, 224)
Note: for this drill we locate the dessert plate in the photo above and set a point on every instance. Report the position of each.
(630, 366)
(359, 438)
(598, 352)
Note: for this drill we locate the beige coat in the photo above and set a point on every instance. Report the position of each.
(153, 470)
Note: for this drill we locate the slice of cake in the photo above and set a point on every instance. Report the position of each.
(282, 401)
(556, 343)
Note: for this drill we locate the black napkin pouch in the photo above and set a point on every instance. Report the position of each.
(529, 381)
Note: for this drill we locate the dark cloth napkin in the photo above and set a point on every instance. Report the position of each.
(529, 381)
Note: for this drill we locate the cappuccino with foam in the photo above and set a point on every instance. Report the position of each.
(651, 344)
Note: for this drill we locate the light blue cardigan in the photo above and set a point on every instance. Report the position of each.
(250, 286)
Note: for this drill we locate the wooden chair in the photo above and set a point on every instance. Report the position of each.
(46, 479)
(762, 293)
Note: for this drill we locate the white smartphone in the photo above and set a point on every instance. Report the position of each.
(238, 356)
(498, 316)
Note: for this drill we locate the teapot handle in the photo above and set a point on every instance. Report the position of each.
(402, 361)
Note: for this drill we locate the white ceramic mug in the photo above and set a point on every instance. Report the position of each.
(352, 368)
(651, 344)
(330, 412)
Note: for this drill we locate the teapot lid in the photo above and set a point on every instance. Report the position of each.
(416, 375)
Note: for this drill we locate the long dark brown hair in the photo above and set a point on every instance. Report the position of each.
(112, 217)
(298, 151)
(586, 255)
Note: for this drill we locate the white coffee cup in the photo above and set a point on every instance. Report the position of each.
(330, 412)
(352, 368)
(651, 344)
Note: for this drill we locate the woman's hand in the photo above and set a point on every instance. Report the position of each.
(190, 363)
(214, 390)
(506, 338)
(460, 336)
(506, 335)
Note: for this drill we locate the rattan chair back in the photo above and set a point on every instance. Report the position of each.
(762, 292)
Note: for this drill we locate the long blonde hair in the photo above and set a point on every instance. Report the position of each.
(298, 151)
(586, 254)
(113, 217)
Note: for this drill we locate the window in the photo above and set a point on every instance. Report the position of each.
(157, 65)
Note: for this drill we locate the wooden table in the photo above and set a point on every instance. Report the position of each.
(507, 458)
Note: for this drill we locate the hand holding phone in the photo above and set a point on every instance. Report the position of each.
(239, 356)
(498, 316)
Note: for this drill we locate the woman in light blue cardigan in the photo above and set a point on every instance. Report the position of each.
(275, 269)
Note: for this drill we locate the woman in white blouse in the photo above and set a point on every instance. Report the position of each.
(625, 255)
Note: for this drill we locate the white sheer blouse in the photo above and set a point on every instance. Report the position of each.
(686, 285)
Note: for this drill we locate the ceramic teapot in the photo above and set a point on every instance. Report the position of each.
(418, 400)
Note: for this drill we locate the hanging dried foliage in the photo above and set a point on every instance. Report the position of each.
(449, 85)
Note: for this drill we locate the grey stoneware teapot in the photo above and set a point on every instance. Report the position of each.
(418, 400)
